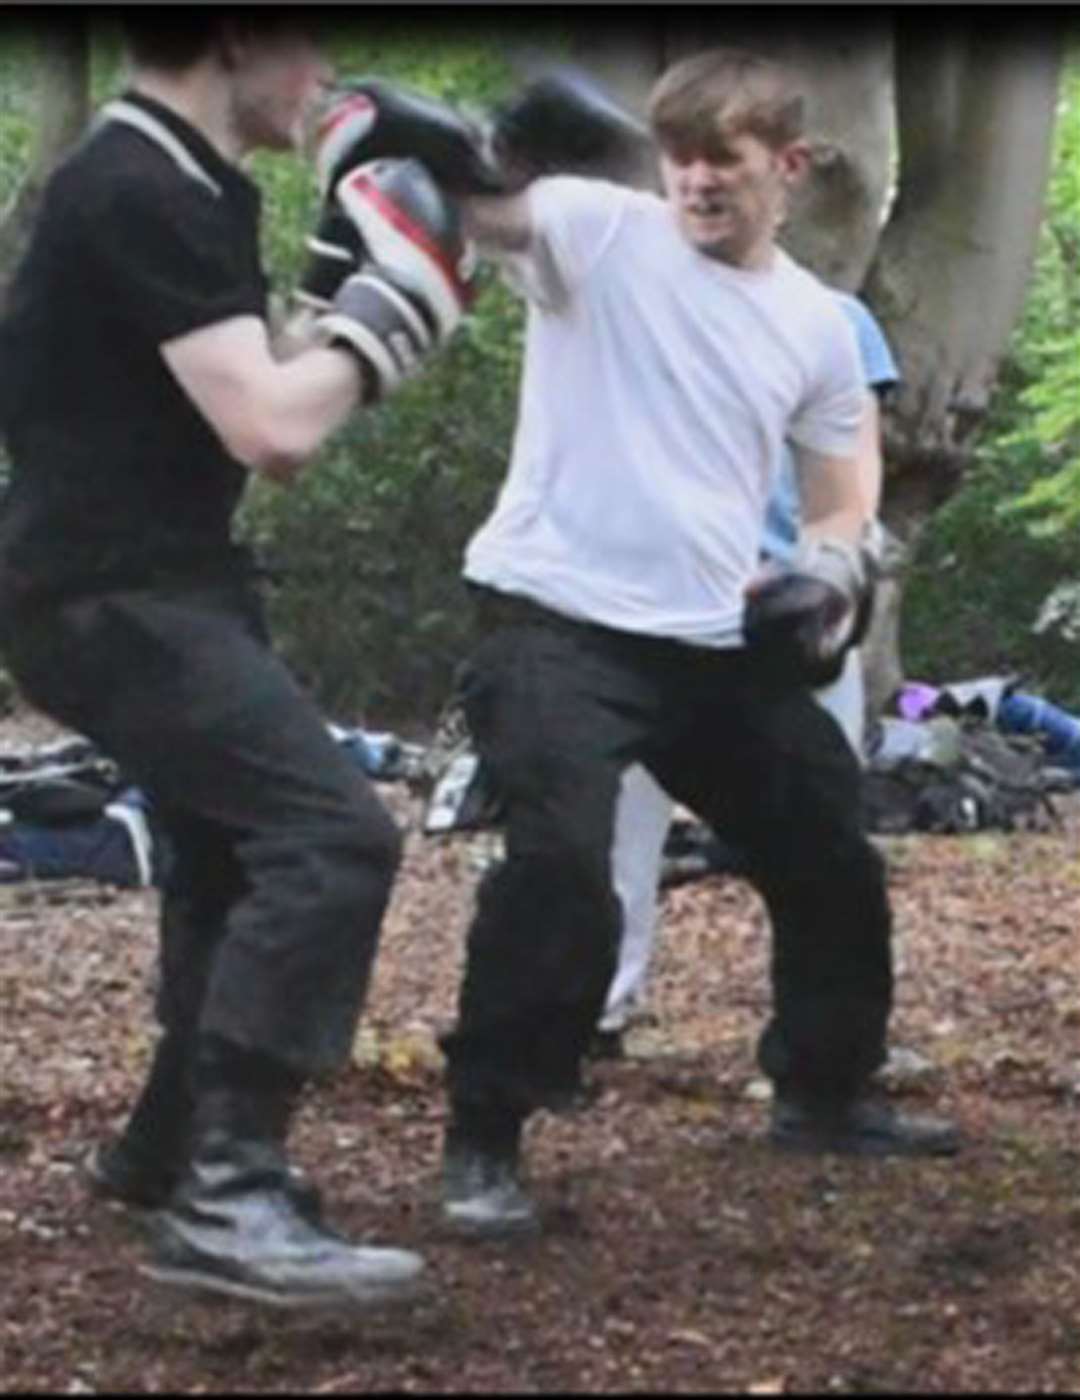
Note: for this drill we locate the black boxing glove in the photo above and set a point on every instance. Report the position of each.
(409, 295)
(802, 618)
(370, 119)
(367, 119)
(564, 121)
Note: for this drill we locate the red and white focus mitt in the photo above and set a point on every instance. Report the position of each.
(408, 295)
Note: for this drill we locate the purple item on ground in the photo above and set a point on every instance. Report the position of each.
(916, 699)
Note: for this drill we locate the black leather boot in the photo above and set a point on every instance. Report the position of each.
(862, 1126)
(232, 1225)
(141, 1167)
(482, 1194)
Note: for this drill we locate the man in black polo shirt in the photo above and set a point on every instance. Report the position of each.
(138, 386)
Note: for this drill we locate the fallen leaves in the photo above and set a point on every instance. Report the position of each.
(681, 1256)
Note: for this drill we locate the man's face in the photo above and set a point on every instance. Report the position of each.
(278, 79)
(729, 200)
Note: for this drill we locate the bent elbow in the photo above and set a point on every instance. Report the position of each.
(278, 460)
(268, 444)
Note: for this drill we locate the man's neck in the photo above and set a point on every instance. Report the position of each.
(202, 98)
(761, 257)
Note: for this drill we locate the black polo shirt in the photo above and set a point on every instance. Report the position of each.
(144, 233)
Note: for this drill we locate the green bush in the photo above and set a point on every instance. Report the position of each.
(979, 583)
(370, 608)
(16, 94)
(367, 546)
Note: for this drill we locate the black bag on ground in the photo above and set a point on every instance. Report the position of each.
(967, 776)
(66, 812)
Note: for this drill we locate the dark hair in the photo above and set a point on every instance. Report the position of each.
(725, 92)
(175, 37)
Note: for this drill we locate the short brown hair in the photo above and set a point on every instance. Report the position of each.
(172, 38)
(725, 92)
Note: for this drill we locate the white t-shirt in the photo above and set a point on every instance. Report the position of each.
(657, 391)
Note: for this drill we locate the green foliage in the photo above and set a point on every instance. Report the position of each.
(979, 583)
(367, 545)
(1049, 344)
(16, 88)
(992, 555)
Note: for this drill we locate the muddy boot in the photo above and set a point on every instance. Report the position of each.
(232, 1225)
(482, 1194)
(863, 1127)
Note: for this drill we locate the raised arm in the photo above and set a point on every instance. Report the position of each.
(559, 123)
(498, 224)
(272, 416)
(401, 302)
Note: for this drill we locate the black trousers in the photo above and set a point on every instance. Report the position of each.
(283, 855)
(558, 709)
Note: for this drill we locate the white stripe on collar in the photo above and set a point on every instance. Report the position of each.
(121, 111)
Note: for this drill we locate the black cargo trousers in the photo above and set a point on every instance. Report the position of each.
(282, 855)
(558, 709)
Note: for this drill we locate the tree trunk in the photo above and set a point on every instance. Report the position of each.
(976, 107)
(976, 113)
(61, 109)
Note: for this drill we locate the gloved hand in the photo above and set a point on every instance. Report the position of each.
(560, 121)
(563, 122)
(802, 618)
(411, 291)
(370, 119)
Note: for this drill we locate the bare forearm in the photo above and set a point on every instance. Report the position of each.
(305, 399)
(272, 415)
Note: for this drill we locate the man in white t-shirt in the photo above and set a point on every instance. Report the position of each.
(671, 350)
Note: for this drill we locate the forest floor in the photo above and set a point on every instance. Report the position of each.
(680, 1253)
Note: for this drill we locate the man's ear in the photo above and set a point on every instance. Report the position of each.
(795, 159)
(232, 45)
